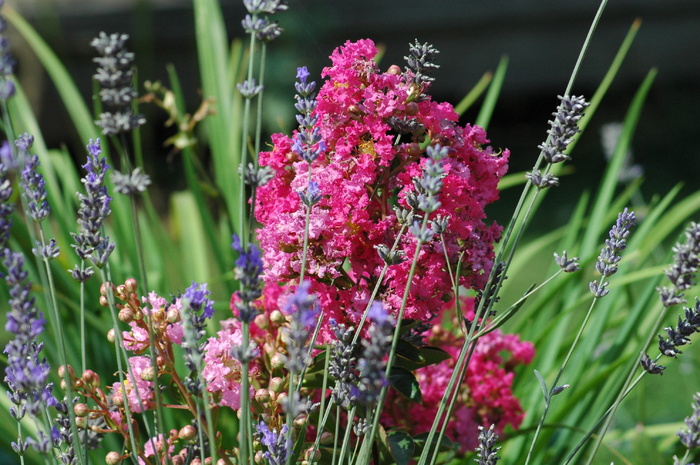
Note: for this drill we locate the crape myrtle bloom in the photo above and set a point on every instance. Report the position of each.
(138, 384)
(485, 394)
(366, 177)
(610, 254)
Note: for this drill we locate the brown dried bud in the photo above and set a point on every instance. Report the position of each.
(121, 292)
(81, 409)
(413, 149)
(173, 315)
(104, 287)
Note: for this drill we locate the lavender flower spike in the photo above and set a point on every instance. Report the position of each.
(33, 184)
(249, 267)
(90, 242)
(278, 443)
(691, 436)
(610, 255)
(7, 62)
(686, 262)
(305, 311)
(487, 450)
(115, 72)
(563, 129)
(6, 207)
(27, 372)
(371, 365)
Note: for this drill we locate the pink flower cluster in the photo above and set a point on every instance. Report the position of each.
(485, 395)
(375, 126)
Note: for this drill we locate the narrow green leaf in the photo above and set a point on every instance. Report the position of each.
(489, 104)
(543, 385)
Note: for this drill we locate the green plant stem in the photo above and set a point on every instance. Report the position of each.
(246, 443)
(119, 350)
(561, 371)
(629, 384)
(244, 145)
(369, 438)
(47, 277)
(346, 437)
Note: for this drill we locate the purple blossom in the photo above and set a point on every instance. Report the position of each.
(27, 372)
(610, 255)
(33, 184)
(6, 207)
(115, 73)
(278, 443)
(305, 311)
(249, 267)
(7, 63)
(371, 365)
(90, 241)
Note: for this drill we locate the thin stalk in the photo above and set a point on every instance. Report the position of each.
(346, 437)
(364, 452)
(335, 435)
(561, 371)
(628, 382)
(119, 349)
(244, 426)
(244, 144)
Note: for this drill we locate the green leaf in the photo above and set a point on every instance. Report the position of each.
(406, 383)
(401, 445)
(420, 441)
(543, 385)
(409, 351)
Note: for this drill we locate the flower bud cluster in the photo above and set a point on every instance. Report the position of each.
(610, 255)
(115, 72)
(686, 262)
(253, 23)
(90, 241)
(560, 134)
(249, 267)
(7, 62)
